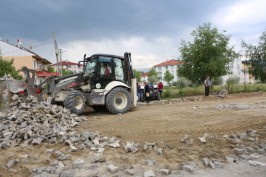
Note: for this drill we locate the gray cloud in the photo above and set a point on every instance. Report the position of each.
(152, 29)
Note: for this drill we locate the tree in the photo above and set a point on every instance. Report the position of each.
(51, 69)
(168, 77)
(208, 55)
(153, 76)
(66, 72)
(137, 74)
(257, 58)
(6, 67)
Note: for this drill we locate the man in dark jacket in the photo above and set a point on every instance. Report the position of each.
(147, 92)
(207, 85)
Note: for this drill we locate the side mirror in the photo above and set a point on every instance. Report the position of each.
(79, 64)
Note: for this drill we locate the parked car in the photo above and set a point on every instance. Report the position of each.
(154, 93)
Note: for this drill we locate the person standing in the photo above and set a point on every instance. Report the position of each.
(138, 91)
(207, 85)
(160, 88)
(147, 92)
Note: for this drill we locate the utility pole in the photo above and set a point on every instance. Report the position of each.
(61, 65)
(56, 54)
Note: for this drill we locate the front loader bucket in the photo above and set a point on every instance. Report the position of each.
(30, 79)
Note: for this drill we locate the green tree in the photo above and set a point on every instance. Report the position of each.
(137, 74)
(51, 69)
(168, 77)
(257, 58)
(209, 54)
(153, 76)
(6, 67)
(66, 72)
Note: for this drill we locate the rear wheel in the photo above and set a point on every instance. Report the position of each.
(76, 102)
(118, 100)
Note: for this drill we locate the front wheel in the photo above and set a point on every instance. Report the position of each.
(118, 100)
(76, 102)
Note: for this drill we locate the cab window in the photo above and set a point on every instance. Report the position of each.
(119, 72)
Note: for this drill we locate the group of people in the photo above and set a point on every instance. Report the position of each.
(147, 91)
(207, 85)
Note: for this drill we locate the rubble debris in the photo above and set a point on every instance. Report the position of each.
(203, 139)
(186, 140)
(149, 173)
(112, 168)
(130, 171)
(131, 147)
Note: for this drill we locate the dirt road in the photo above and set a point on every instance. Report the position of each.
(169, 122)
(166, 123)
(194, 116)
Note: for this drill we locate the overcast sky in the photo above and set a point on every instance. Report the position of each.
(150, 29)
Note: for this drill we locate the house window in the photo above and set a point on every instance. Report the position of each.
(34, 63)
(40, 66)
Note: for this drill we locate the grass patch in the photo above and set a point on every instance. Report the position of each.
(175, 92)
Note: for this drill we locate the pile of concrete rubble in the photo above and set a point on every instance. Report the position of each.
(30, 122)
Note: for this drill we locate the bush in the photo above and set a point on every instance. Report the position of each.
(182, 82)
(232, 81)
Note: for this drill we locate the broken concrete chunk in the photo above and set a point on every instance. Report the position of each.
(36, 141)
(256, 163)
(189, 168)
(11, 163)
(212, 165)
(114, 144)
(112, 168)
(205, 161)
(164, 171)
(99, 158)
(130, 171)
(101, 150)
(130, 147)
(149, 173)
(184, 139)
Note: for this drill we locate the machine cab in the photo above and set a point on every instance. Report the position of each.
(103, 69)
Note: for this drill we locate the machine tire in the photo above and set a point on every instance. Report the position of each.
(118, 100)
(76, 102)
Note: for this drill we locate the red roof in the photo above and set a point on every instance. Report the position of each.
(65, 63)
(44, 73)
(169, 63)
(144, 74)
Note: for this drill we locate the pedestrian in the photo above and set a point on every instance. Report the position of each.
(160, 87)
(147, 92)
(207, 85)
(138, 91)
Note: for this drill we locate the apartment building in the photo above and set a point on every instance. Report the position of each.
(171, 65)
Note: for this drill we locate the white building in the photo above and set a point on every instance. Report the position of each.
(144, 77)
(171, 65)
(239, 68)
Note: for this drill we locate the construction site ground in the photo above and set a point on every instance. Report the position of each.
(165, 123)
